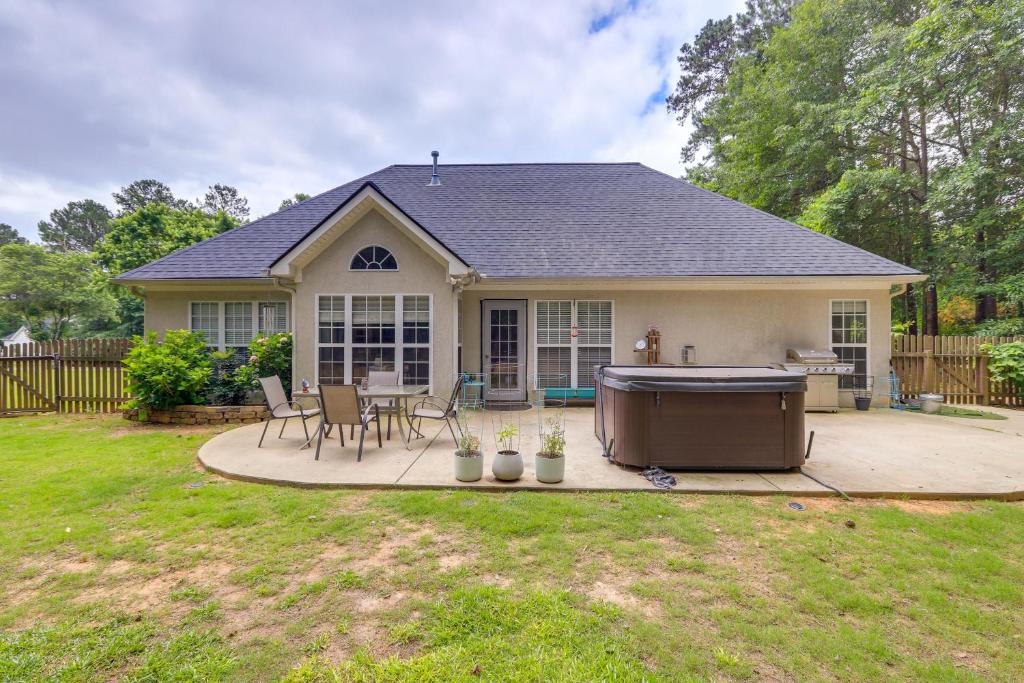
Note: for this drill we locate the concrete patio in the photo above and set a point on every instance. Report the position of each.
(880, 453)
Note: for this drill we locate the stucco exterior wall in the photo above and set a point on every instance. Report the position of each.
(419, 272)
(170, 310)
(746, 327)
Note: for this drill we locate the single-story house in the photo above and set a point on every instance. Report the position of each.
(527, 273)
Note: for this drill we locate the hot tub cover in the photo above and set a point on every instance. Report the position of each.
(709, 378)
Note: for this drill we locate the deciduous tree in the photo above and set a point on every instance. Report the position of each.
(48, 290)
(156, 230)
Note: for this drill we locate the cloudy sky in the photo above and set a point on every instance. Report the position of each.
(277, 98)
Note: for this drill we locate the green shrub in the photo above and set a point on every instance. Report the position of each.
(224, 387)
(268, 355)
(168, 373)
(1005, 327)
(1006, 362)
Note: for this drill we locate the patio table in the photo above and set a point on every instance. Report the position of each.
(400, 393)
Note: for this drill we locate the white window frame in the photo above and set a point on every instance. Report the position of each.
(220, 321)
(256, 304)
(866, 345)
(573, 344)
(399, 344)
(398, 266)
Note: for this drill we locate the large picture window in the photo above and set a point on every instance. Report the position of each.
(849, 338)
(379, 333)
(234, 324)
(572, 337)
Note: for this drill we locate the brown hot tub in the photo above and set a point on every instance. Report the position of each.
(701, 417)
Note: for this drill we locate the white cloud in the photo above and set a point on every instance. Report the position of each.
(277, 99)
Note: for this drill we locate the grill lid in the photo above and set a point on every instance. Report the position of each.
(815, 356)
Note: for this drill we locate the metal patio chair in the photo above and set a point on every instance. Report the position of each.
(341, 406)
(431, 409)
(281, 408)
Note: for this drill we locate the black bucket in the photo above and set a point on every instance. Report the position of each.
(863, 389)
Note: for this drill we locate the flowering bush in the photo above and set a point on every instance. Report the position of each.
(168, 373)
(268, 355)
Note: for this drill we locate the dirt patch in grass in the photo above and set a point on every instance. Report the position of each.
(132, 592)
(130, 428)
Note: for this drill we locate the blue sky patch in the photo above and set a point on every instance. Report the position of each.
(605, 20)
(656, 99)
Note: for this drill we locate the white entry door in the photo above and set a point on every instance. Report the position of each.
(504, 349)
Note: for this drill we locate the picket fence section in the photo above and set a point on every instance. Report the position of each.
(952, 366)
(67, 376)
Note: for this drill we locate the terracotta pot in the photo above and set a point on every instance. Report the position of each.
(549, 470)
(469, 466)
(507, 465)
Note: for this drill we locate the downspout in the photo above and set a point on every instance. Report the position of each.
(897, 290)
(459, 283)
(290, 288)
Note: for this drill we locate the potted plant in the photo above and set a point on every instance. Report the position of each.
(550, 460)
(469, 458)
(508, 462)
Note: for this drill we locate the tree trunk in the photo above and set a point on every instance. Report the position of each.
(931, 310)
(984, 302)
(931, 299)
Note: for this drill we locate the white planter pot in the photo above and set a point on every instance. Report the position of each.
(507, 466)
(469, 467)
(549, 470)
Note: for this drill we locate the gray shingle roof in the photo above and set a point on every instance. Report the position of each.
(548, 221)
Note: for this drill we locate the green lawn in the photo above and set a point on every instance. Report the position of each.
(120, 559)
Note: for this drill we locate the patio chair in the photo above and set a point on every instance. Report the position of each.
(340, 403)
(385, 406)
(431, 409)
(281, 408)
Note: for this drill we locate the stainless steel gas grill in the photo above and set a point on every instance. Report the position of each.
(823, 369)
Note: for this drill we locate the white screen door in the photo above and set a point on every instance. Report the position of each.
(504, 349)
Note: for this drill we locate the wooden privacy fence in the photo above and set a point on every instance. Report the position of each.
(67, 376)
(951, 366)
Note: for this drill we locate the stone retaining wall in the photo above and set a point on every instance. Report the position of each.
(199, 415)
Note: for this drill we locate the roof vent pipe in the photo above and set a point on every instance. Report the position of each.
(434, 178)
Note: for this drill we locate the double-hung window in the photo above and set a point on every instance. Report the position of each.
(205, 318)
(234, 324)
(849, 338)
(572, 337)
(359, 333)
(238, 324)
(373, 335)
(416, 339)
(331, 339)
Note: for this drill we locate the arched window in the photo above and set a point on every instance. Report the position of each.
(374, 258)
